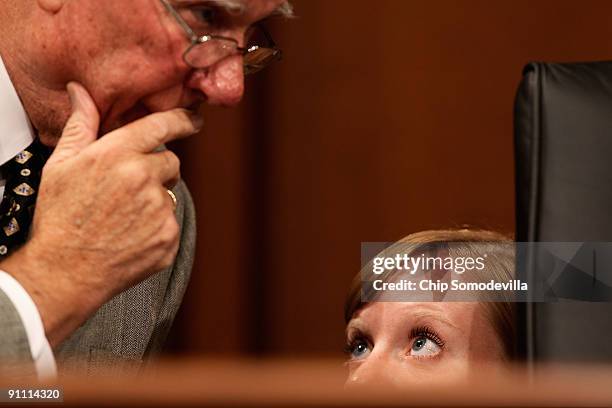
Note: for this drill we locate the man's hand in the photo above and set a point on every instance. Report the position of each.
(103, 220)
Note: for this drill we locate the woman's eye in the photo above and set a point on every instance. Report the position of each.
(422, 346)
(359, 348)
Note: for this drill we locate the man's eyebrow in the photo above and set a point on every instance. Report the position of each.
(238, 7)
(232, 6)
(285, 10)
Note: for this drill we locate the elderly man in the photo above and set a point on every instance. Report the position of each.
(98, 273)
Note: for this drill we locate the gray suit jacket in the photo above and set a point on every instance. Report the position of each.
(125, 331)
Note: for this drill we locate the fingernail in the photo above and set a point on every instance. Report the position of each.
(197, 119)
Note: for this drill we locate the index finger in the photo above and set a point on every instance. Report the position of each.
(150, 132)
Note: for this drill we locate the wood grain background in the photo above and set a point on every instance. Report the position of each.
(385, 117)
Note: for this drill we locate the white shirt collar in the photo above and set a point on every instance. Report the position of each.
(16, 132)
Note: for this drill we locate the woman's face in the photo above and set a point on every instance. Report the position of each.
(411, 343)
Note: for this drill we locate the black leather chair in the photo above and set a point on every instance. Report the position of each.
(563, 140)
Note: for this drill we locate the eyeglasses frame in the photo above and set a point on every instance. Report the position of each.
(197, 40)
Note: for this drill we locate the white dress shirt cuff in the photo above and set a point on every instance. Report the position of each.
(42, 355)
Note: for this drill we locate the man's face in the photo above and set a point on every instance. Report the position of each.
(129, 55)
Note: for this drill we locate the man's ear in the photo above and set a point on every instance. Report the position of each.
(51, 6)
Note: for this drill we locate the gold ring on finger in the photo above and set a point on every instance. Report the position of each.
(173, 197)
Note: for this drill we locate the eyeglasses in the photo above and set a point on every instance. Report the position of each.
(208, 49)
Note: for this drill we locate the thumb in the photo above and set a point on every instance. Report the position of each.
(82, 127)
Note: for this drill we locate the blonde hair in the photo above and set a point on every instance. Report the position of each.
(466, 242)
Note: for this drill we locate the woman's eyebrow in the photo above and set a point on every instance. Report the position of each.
(354, 326)
(430, 311)
(423, 314)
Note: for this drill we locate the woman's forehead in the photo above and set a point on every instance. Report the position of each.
(454, 315)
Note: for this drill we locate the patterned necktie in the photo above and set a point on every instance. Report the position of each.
(22, 176)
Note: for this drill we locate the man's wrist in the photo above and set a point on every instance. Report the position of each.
(49, 291)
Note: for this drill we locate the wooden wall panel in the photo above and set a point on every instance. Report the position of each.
(384, 118)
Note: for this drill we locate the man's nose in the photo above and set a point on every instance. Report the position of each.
(222, 83)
